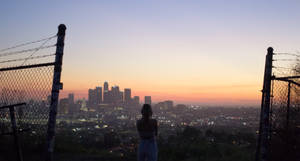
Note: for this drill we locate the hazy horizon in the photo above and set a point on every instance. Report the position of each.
(160, 96)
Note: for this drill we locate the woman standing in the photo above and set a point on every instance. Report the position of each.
(147, 128)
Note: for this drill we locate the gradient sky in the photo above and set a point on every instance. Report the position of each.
(207, 52)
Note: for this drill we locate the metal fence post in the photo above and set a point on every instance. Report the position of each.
(15, 133)
(263, 138)
(56, 86)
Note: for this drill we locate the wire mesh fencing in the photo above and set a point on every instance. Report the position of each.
(31, 86)
(26, 76)
(285, 108)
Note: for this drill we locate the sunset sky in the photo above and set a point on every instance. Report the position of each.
(201, 52)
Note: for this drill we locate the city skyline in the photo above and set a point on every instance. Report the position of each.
(84, 94)
(105, 95)
(197, 52)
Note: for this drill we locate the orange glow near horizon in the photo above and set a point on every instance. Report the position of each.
(188, 94)
(232, 88)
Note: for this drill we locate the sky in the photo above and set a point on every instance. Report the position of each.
(200, 52)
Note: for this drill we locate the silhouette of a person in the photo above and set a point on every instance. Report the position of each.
(147, 129)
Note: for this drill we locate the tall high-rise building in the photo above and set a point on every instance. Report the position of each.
(105, 86)
(71, 98)
(63, 106)
(148, 100)
(98, 91)
(116, 95)
(71, 103)
(136, 100)
(127, 95)
(92, 98)
(106, 93)
(121, 96)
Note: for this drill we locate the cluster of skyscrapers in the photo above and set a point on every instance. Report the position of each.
(104, 95)
(100, 97)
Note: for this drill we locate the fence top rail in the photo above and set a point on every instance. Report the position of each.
(27, 66)
(286, 78)
(13, 105)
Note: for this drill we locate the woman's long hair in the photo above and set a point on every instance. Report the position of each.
(146, 112)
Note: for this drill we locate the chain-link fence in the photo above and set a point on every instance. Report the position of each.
(285, 108)
(279, 137)
(26, 94)
(31, 86)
